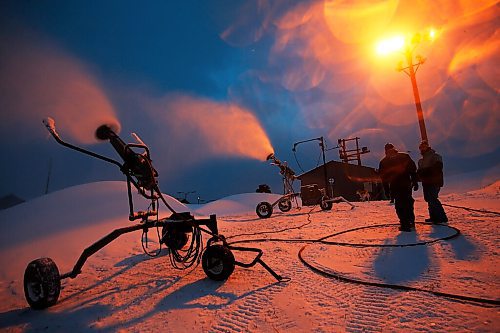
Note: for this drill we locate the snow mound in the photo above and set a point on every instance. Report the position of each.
(123, 289)
(85, 205)
(235, 204)
(492, 189)
(59, 225)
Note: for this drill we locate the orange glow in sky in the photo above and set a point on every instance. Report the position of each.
(45, 82)
(390, 45)
(206, 128)
(330, 46)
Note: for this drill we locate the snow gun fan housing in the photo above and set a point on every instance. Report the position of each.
(139, 164)
(285, 170)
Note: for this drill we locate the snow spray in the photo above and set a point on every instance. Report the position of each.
(211, 128)
(40, 79)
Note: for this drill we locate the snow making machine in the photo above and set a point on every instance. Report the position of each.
(310, 195)
(181, 232)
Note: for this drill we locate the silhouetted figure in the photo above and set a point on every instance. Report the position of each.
(430, 173)
(263, 188)
(387, 191)
(398, 171)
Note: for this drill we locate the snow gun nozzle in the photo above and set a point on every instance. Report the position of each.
(106, 132)
(139, 163)
(103, 132)
(285, 170)
(271, 157)
(51, 126)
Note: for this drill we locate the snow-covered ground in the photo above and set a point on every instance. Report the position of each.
(391, 282)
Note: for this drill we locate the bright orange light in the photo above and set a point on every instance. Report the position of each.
(390, 45)
(432, 34)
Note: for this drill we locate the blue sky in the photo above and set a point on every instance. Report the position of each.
(209, 85)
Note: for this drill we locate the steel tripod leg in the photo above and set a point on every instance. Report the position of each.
(270, 270)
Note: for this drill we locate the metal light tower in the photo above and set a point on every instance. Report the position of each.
(411, 70)
(408, 45)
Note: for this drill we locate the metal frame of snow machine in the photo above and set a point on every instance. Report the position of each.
(42, 280)
(264, 209)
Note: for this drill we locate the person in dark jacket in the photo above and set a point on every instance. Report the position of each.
(430, 173)
(398, 171)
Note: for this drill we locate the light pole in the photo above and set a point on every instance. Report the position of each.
(411, 70)
(412, 65)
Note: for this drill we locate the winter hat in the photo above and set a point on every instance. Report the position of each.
(388, 146)
(424, 145)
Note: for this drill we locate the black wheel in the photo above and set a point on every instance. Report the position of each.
(218, 262)
(325, 204)
(42, 283)
(264, 210)
(174, 239)
(285, 205)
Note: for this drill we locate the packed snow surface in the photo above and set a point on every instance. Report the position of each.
(349, 270)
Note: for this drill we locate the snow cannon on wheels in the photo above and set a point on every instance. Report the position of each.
(181, 232)
(265, 209)
(310, 195)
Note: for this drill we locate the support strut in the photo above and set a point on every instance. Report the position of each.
(255, 261)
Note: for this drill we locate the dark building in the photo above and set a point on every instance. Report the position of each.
(347, 180)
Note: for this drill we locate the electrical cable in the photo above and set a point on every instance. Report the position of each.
(319, 160)
(396, 286)
(183, 259)
(309, 221)
(297, 160)
(144, 241)
(294, 150)
(475, 300)
(144, 236)
(473, 210)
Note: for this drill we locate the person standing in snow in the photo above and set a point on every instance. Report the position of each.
(430, 173)
(387, 191)
(398, 171)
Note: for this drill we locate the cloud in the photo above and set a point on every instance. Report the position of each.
(323, 55)
(192, 129)
(38, 80)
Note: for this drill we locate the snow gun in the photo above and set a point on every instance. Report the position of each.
(287, 173)
(310, 195)
(181, 232)
(265, 209)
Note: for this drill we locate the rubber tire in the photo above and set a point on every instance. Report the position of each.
(174, 240)
(264, 210)
(42, 283)
(285, 205)
(325, 205)
(218, 262)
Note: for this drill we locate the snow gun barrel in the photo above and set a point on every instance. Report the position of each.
(285, 170)
(139, 164)
(104, 132)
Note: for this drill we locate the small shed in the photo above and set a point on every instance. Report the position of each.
(350, 181)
